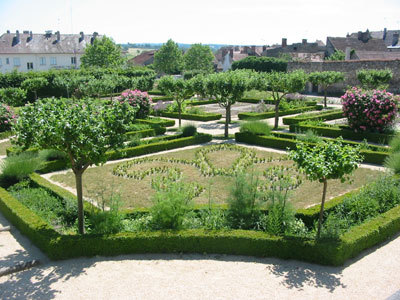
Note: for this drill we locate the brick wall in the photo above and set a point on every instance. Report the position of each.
(350, 68)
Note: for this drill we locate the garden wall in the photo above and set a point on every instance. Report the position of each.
(349, 67)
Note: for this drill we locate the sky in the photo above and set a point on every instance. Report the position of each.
(235, 22)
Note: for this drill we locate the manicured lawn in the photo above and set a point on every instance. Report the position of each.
(99, 181)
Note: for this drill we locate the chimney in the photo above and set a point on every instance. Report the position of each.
(231, 52)
(82, 36)
(347, 53)
(30, 37)
(395, 39)
(284, 42)
(17, 36)
(95, 34)
(304, 41)
(384, 33)
(8, 32)
(58, 36)
(253, 49)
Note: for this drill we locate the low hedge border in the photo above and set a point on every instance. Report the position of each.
(201, 102)
(156, 93)
(272, 101)
(329, 115)
(345, 132)
(162, 98)
(271, 114)
(372, 157)
(235, 242)
(156, 122)
(184, 116)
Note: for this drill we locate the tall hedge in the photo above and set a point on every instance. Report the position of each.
(261, 64)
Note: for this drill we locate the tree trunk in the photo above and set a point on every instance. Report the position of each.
(325, 105)
(277, 114)
(179, 112)
(321, 212)
(78, 181)
(227, 118)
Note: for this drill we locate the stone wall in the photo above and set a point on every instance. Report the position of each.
(350, 67)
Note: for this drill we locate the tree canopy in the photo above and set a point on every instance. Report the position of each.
(199, 57)
(102, 53)
(325, 79)
(374, 79)
(169, 58)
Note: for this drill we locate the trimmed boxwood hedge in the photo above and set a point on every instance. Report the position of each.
(184, 116)
(201, 102)
(237, 242)
(373, 157)
(272, 101)
(156, 130)
(156, 122)
(156, 92)
(162, 98)
(328, 115)
(343, 131)
(271, 114)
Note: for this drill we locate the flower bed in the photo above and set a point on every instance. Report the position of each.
(323, 115)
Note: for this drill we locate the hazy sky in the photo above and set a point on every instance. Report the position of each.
(205, 21)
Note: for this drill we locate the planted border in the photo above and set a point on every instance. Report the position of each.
(271, 114)
(329, 115)
(156, 122)
(194, 117)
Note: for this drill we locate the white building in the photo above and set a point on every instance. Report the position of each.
(40, 52)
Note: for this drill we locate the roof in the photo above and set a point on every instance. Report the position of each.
(341, 43)
(377, 55)
(143, 57)
(42, 43)
(380, 35)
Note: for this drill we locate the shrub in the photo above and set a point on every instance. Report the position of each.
(136, 99)
(7, 118)
(255, 127)
(369, 110)
(189, 130)
(195, 110)
(51, 154)
(309, 137)
(13, 96)
(374, 79)
(18, 167)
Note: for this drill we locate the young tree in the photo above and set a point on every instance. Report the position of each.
(34, 84)
(104, 53)
(228, 88)
(337, 55)
(83, 130)
(169, 58)
(324, 161)
(281, 84)
(179, 89)
(325, 79)
(199, 85)
(199, 57)
(374, 79)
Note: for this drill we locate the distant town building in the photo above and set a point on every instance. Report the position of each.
(390, 38)
(303, 51)
(143, 59)
(225, 56)
(29, 51)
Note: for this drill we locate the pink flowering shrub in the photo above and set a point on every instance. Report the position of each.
(7, 118)
(139, 100)
(369, 110)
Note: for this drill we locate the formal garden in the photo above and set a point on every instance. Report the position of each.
(100, 131)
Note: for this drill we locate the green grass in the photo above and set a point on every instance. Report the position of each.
(137, 193)
(254, 94)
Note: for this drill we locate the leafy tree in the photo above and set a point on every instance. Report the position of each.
(325, 79)
(374, 79)
(228, 88)
(82, 130)
(281, 84)
(337, 55)
(199, 57)
(199, 85)
(102, 53)
(326, 160)
(169, 58)
(34, 84)
(179, 89)
(261, 64)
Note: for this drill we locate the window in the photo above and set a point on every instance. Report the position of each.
(7, 61)
(43, 61)
(17, 62)
(29, 65)
(53, 60)
(73, 60)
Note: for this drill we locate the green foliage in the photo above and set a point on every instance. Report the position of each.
(310, 137)
(318, 117)
(103, 53)
(374, 79)
(198, 57)
(255, 127)
(13, 96)
(107, 222)
(393, 161)
(337, 55)
(261, 64)
(325, 79)
(189, 130)
(18, 167)
(169, 58)
(271, 114)
(51, 154)
(34, 84)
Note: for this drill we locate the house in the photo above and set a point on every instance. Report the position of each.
(362, 47)
(390, 37)
(303, 51)
(144, 59)
(225, 56)
(29, 51)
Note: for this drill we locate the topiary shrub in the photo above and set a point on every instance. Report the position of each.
(13, 96)
(136, 99)
(7, 118)
(189, 130)
(369, 110)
